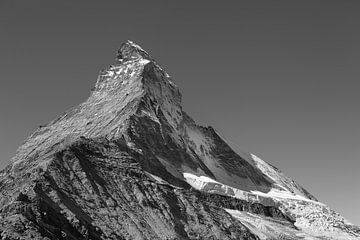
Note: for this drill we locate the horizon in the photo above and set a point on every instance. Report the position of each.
(279, 80)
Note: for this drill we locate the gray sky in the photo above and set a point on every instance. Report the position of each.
(277, 78)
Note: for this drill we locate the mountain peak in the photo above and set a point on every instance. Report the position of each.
(130, 50)
(129, 153)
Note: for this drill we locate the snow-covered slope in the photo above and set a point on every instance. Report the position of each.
(281, 181)
(312, 219)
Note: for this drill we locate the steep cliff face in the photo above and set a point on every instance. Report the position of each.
(129, 163)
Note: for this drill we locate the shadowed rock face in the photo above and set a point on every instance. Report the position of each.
(98, 190)
(128, 163)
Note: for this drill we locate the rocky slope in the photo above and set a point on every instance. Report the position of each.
(129, 163)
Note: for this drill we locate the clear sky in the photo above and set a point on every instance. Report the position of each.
(277, 78)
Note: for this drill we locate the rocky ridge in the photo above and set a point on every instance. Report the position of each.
(129, 163)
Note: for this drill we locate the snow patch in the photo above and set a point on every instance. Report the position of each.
(281, 181)
(276, 193)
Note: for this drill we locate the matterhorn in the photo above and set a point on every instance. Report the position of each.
(129, 163)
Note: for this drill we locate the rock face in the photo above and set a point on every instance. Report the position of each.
(129, 163)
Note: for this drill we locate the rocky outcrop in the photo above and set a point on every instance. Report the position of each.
(98, 190)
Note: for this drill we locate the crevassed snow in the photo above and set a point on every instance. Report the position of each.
(267, 228)
(208, 184)
(312, 217)
(275, 193)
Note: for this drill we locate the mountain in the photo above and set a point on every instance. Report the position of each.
(129, 163)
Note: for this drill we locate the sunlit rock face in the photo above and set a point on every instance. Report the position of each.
(129, 163)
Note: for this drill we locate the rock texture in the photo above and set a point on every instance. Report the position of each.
(129, 163)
